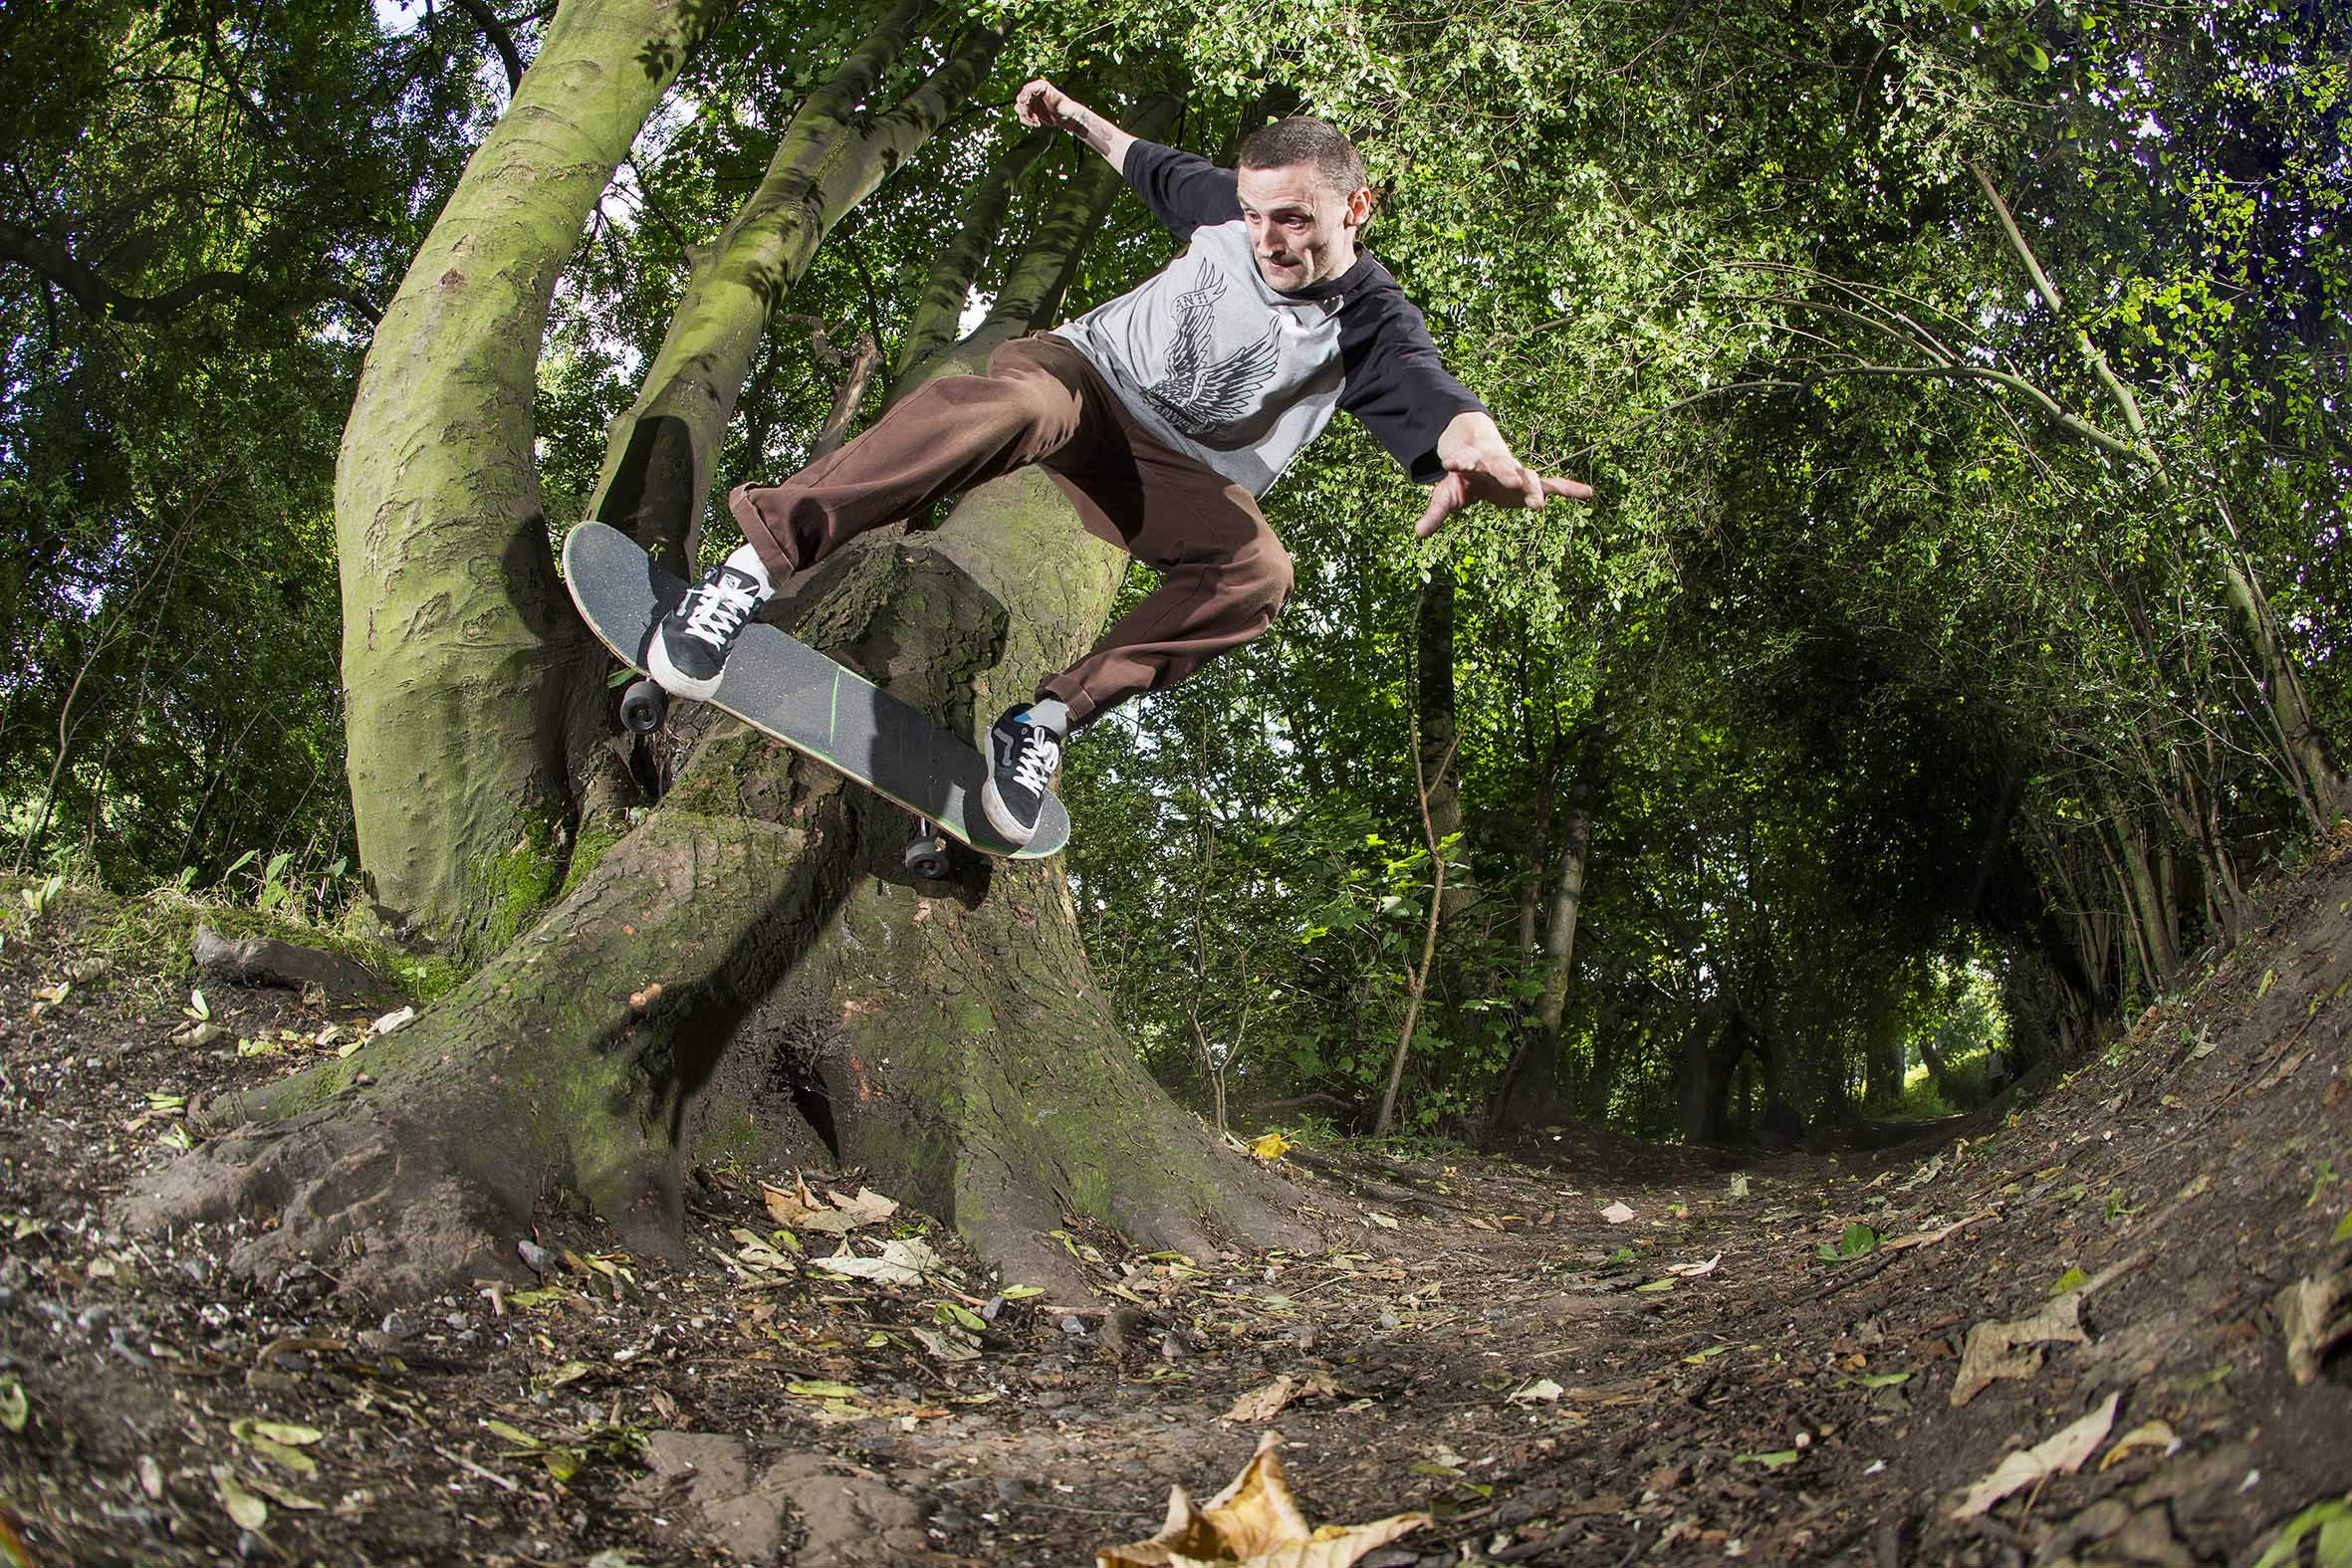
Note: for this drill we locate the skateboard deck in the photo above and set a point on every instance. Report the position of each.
(785, 689)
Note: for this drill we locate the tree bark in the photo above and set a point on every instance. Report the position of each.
(1531, 1093)
(454, 621)
(949, 1038)
(658, 463)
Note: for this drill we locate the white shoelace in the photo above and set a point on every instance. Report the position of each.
(720, 609)
(1037, 761)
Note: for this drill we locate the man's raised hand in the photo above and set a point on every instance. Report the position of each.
(1041, 103)
(1479, 466)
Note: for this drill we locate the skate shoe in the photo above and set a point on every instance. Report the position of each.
(1022, 760)
(690, 646)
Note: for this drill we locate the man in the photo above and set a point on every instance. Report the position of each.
(1162, 415)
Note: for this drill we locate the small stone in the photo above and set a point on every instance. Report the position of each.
(197, 1267)
(1389, 1319)
(536, 1257)
(458, 1321)
(1010, 1488)
(1071, 1326)
(93, 1319)
(396, 1326)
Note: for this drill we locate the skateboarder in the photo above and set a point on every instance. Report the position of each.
(1162, 415)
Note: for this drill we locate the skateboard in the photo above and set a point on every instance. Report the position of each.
(788, 689)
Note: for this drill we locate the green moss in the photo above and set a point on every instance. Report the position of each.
(584, 856)
(518, 883)
(155, 931)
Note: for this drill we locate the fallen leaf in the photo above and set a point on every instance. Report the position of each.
(397, 1018)
(235, 1501)
(1695, 1270)
(1542, 1390)
(817, 1388)
(1773, 1461)
(901, 1263)
(1271, 1147)
(2331, 1518)
(1262, 1405)
(2146, 1435)
(1739, 1187)
(1253, 1523)
(263, 1437)
(15, 1409)
(1616, 1213)
(1859, 1241)
(1993, 1350)
(285, 1498)
(1384, 1222)
(514, 1435)
(1930, 1238)
(2315, 1315)
(2061, 1454)
(557, 1376)
(868, 1208)
(947, 1344)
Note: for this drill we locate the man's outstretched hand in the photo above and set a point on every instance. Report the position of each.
(1479, 466)
(1041, 103)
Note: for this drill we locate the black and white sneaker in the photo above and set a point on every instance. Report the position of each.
(690, 646)
(1022, 760)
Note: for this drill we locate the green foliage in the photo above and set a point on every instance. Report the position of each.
(1926, 688)
(220, 199)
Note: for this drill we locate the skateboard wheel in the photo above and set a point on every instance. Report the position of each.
(642, 707)
(925, 854)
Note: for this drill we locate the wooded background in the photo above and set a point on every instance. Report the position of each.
(1957, 629)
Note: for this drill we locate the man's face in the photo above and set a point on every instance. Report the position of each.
(1302, 229)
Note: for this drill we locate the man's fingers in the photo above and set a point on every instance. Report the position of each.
(1446, 497)
(1561, 485)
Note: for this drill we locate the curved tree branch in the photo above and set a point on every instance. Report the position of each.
(98, 297)
(501, 39)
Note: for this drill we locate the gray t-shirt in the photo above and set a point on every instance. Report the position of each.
(1223, 367)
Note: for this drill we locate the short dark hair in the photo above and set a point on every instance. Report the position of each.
(1301, 138)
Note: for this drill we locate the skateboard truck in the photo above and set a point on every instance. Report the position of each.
(925, 854)
(643, 707)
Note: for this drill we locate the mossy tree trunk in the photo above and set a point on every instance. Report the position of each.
(455, 626)
(659, 462)
(813, 1002)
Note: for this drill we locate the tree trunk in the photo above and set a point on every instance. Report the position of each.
(658, 467)
(949, 1038)
(454, 623)
(1530, 1094)
(953, 1036)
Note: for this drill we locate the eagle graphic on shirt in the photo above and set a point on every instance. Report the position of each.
(1199, 396)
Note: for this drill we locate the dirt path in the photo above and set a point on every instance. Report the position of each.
(1482, 1341)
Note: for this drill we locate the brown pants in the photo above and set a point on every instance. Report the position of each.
(1223, 572)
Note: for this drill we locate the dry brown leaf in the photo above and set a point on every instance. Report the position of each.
(1930, 1238)
(1253, 1523)
(2315, 1312)
(1695, 1270)
(1262, 1405)
(2146, 1435)
(1616, 1213)
(2061, 1454)
(2003, 1350)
